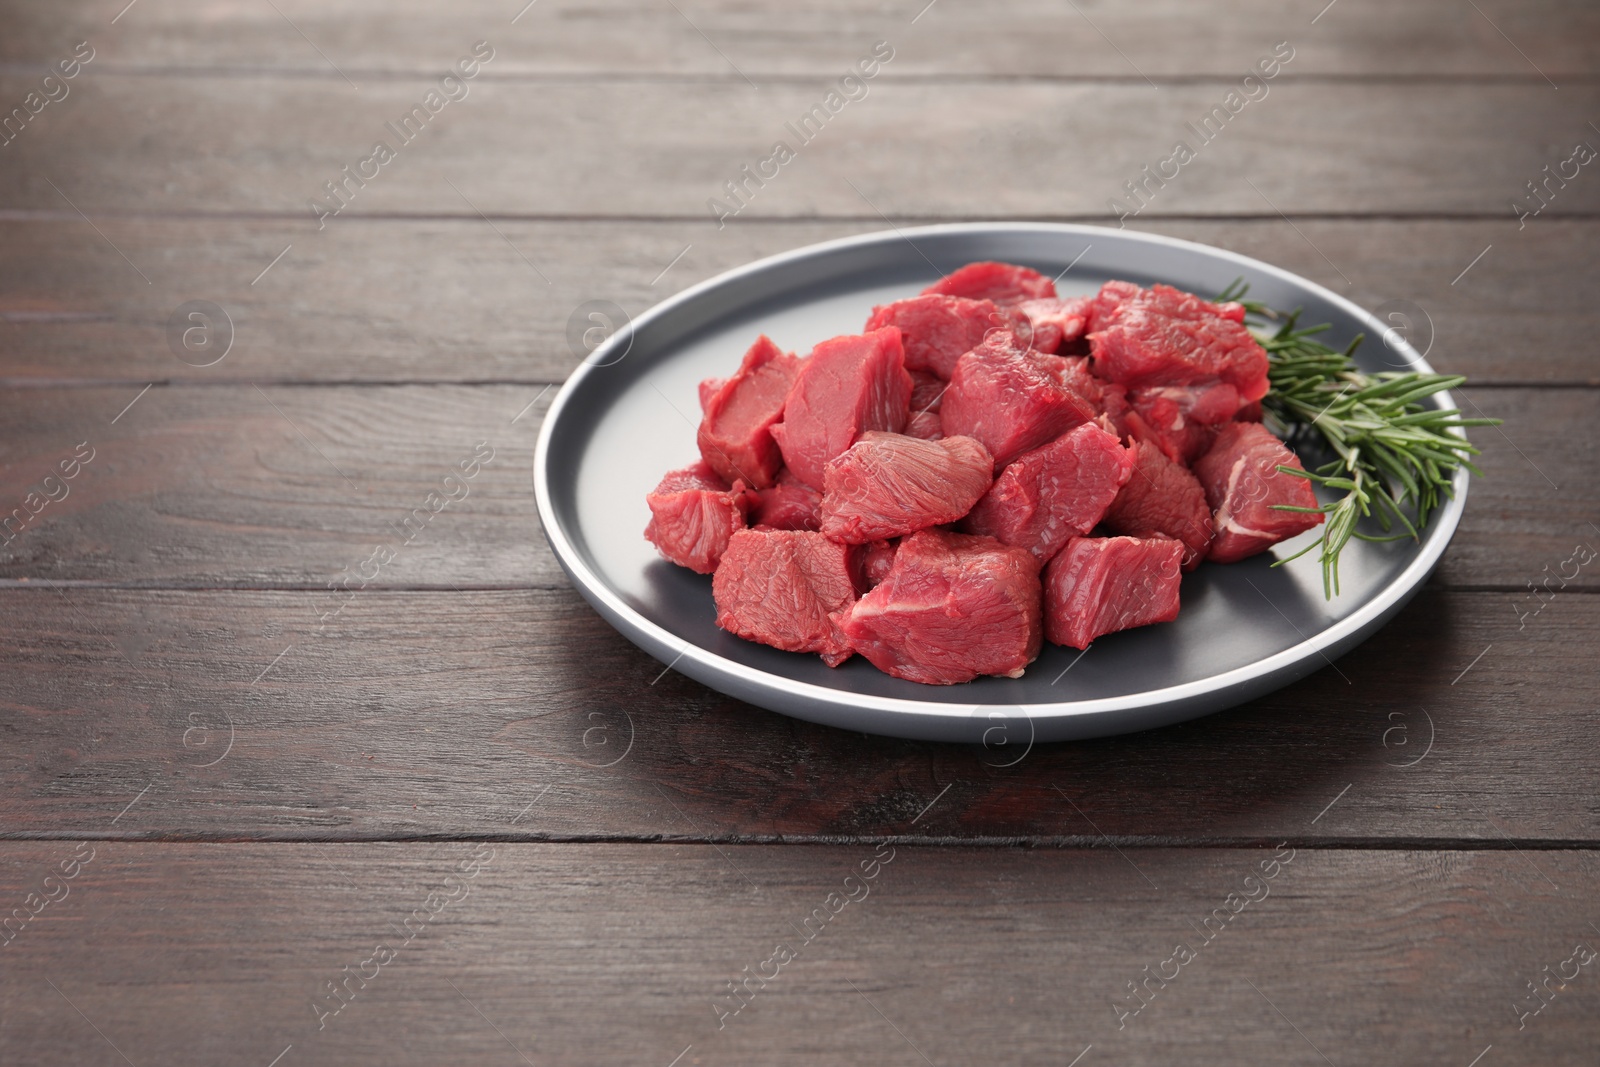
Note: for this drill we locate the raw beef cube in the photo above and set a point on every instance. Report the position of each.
(1242, 483)
(1004, 283)
(872, 562)
(1162, 499)
(889, 484)
(953, 607)
(849, 385)
(779, 587)
(790, 504)
(1175, 418)
(1165, 337)
(736, 433)
(927, 391)
(925, 425)
(1104, 305)
(1099, 585)
(1046, 496)
(1009, 400)
(1073, 372)
(938, 330)
(1114, 295)
(1055, 322)
(1109, 398)
(693, 512)
(708, 389)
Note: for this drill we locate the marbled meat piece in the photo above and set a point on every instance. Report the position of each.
(788, 504)
(1009, 399)
(1003, 283)
(1162, 499)
(1056, 322)
(1175, 418)
(693, 513)
(1163, 337)
(889, 484)
(1099, 585)
(1114, 295)
(849, 385)
(781, 587)
(1243, 484)
(1108, 398)
(1046, 496)
(953, 607)
(735, 435)
(938, 330)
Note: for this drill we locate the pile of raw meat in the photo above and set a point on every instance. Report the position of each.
(986, 467)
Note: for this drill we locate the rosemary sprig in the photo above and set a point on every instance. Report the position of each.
(1395, 458)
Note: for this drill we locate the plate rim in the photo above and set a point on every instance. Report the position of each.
(604, 599)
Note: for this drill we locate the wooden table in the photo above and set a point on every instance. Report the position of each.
(447, 815)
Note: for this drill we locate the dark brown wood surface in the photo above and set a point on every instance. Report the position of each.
(605, 954)
(218, 795)
(1521, 315)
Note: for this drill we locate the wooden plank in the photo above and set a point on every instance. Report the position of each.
(238, 485)
(769, 40)
(621, 954)
(365, 302)
(169, 144)
(241, 715)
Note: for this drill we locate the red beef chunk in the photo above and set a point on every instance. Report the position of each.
(938, 330)
(1009, 400)
(1162, 499)
(1046, 496)
(1003, 283)
(1168, 418)
(1099, 585)
(1114, 295)
(736, 432)
(780, 587)
(693, 513)
(1162, 337)
(1243, 484)
(889, 484)
(789, 504)
(1055, 322)
(952, 608)
(849, 385)
(1073, 372)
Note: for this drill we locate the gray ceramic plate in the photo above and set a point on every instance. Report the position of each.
(629, 415)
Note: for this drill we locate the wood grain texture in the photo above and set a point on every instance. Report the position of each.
(270, 784)
(768, 39)
(617, 954)
(268, 144)
(452, 300)
(240, 715)
(238, 485)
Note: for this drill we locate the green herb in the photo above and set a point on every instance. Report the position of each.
(1395, 458)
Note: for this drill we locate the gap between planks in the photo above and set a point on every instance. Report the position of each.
(1067, 842)
(245, 71)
